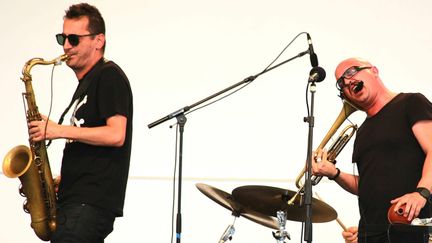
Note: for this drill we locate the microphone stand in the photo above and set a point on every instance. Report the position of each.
(308, 183)
(181, 119)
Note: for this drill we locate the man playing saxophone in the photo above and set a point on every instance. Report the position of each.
(96, 156)
(393, 154)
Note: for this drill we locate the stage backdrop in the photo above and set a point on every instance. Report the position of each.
(177, 53)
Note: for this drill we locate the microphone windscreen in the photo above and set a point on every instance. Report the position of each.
(318, 71)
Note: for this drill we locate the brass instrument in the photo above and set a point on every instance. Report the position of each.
(335, 148)
(31, 165)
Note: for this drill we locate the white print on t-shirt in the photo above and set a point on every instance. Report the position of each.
(74, 121)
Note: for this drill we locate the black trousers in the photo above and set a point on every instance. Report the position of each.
(396, 234)
(82, 223)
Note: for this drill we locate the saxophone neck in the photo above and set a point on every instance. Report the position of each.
(40, 61)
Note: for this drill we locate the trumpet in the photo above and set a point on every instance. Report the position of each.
(334, 149)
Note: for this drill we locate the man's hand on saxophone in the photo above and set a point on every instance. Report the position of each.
(113, 133)
(43, 130)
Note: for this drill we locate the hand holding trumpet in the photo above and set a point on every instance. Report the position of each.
(321, 166)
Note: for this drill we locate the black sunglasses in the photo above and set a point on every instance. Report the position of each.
(349, 73)
(72, 38)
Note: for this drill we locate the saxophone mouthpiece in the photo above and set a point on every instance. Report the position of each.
(60, 59)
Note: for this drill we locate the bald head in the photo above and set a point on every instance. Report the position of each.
(372, 95)
(345, 64)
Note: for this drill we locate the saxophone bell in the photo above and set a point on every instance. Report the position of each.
(17, 161)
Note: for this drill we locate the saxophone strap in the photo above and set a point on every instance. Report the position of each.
(82, 88)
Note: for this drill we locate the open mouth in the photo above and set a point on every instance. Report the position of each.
(357, 87)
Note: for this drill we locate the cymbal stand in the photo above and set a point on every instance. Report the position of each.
(228, 233)
(281, 234)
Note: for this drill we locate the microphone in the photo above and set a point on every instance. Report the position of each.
(227, 235)
(417, 221)
(313, 56)
(358, 86)
(317, 74)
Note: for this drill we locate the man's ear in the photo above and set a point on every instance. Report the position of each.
(375, 70)
(100, 41)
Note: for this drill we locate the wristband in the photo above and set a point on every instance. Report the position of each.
(424, 192)
(335, 176)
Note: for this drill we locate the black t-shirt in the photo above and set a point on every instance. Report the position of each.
(389, 158)
(97, 175)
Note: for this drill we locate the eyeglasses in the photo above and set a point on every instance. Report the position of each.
(349, 73)
(72, 38)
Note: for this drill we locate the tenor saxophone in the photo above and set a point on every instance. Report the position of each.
(31, 165)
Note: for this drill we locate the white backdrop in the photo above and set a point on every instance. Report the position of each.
(176, 53)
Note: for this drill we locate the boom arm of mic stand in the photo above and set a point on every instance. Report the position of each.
(181, 118)
(246, 80)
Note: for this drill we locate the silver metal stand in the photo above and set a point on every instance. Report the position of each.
(281, 234)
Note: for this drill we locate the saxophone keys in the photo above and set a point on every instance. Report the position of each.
(25, 207)
(21, 190)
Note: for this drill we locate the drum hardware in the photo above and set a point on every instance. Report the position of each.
(228, 233)
(226, 200)
(422, 222)
(281, 234)
(397, 217)
(269, 200)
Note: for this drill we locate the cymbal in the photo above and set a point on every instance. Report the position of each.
(268, 200)
(225, 200)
